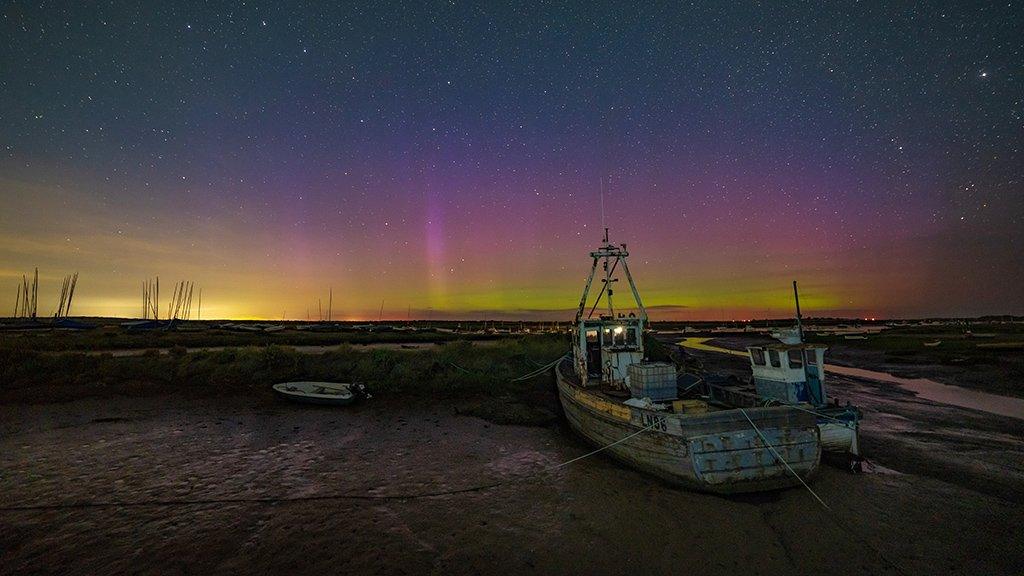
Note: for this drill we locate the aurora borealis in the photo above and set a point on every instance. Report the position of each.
(446, 158)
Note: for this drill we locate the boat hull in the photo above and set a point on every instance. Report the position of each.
(840, 438)
(718, 451)
(839, 428)
(319, 393)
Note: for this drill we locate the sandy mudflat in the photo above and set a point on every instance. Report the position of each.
(946, 496)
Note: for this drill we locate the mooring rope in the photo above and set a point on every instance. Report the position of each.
(457, 367)
(588, 454)
(540, 370)
(783, 460)
(320, 497)
(773, 402)
(822, 415)
(527, 376)
(828, 511)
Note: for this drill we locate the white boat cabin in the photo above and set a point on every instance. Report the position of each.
(606, 347)
(789, 373)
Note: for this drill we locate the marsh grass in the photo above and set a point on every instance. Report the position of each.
(478, 376)
(114, 338)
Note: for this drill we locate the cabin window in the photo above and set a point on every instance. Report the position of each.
(773, 356)
(812, 358)
(795, 359)
(592, 336)
(757, 355)
(630, 337)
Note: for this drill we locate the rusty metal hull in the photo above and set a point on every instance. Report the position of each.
(717, 451)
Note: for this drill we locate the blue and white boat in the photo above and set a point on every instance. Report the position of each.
(791, 372)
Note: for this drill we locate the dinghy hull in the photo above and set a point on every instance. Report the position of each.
(320, 393)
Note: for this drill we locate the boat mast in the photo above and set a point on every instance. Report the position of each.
(608, 271)
(803, 350)
(586, 289)
(799, 320)
(632, 286)
(606, 249)
(612, 256)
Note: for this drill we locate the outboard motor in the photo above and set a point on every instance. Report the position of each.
(359, 390)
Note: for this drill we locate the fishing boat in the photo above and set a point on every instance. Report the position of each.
(325, 393)
(617, 399)
(791, 372)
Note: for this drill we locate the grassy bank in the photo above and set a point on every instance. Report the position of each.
(113, 338)
(477, 378)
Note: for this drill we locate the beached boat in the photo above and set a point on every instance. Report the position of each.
(617, 400)
(792, 372)
(327, 393)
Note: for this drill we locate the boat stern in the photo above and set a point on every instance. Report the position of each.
(751, 460)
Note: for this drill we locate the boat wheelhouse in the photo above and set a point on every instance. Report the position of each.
(789, 373)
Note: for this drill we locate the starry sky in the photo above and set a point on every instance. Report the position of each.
(446, 159)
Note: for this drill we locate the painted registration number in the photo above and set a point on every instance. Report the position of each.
(653, 421)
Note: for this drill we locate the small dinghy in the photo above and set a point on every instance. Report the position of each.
(328, 393)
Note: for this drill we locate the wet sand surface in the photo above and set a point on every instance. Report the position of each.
(945, 496)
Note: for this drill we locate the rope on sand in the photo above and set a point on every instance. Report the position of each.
(828, 511)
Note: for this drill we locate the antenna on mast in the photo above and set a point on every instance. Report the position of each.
(604, 225)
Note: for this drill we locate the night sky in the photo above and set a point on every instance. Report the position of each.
(447, 157)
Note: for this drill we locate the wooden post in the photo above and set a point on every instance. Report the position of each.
(71, 294)
(35, 294)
